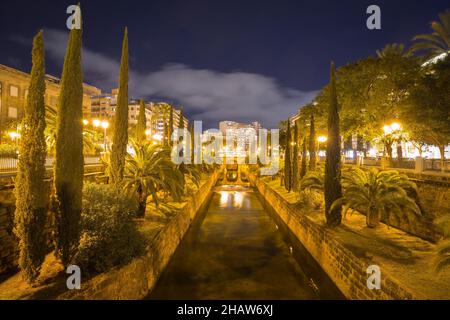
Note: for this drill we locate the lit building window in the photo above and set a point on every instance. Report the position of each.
(13, 91)
(12, 112)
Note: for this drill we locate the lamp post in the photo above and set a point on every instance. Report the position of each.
(105, 125)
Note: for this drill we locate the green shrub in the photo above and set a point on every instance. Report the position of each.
(109, 235)
(8, 150)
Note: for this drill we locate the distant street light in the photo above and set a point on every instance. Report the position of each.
(96, 123)
(105, 125)
(85, 122)
(322, 139)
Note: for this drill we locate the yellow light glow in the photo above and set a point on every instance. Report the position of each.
(147, 132)
(14, 135)
(223, 198)
(105, 124)
(322, 139)
(395, 126)
(238, 200)
(85, 122)
(96, 123)
(387, 129)
(157, 137)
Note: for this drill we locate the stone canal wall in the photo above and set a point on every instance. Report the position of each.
(346, 270)
(136, 279)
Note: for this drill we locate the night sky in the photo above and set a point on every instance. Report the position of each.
(241, 60)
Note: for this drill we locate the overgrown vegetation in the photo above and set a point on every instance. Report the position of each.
(109, 235)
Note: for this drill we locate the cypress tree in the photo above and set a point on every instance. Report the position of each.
(304, 152)
(31, 197)
(295, 171)
(120, 138)
(312, 144)
(333, 190)
(69, 167)
(287, 159)
(141, 125)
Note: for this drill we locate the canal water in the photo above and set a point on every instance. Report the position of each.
(238, 249)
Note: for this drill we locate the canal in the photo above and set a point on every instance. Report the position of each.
(238, 249)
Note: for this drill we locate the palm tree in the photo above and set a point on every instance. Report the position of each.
(393, 50)
(148, 170)
(50, 131)
(438, 42)
(377, 194)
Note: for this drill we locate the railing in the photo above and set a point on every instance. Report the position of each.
(429, 165)
(9, 164)
(435, 165)
(402, 164)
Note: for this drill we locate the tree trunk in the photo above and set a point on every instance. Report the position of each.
(389, 150)
(442, 152)
(312, 145)
(399, 153)
(303, 167)
(372, 218)
(332, 183)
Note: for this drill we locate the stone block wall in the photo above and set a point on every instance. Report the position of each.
(136, 279)
(8, 242)
(346, 270)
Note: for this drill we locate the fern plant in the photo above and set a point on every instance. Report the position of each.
(376, 194)
(313, 180)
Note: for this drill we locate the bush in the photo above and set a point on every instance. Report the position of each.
(8, 150)
(109, 235)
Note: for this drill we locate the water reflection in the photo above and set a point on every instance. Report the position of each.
(235, 250)
(232, 199)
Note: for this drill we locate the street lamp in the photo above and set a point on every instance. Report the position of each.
(14, 136)
(85, 122)
(105, 125)
(322, 139)
(96, 123)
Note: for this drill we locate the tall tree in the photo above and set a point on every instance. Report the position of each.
(141, 125)
(304, 154)
(287, 158)
(120, 138)
(332, 183)
(295, 168)
(312, 144)
(69, 167)
(31, 197)
(438, 42)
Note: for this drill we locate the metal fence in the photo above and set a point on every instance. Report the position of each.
(435, 165)
(9, 164)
